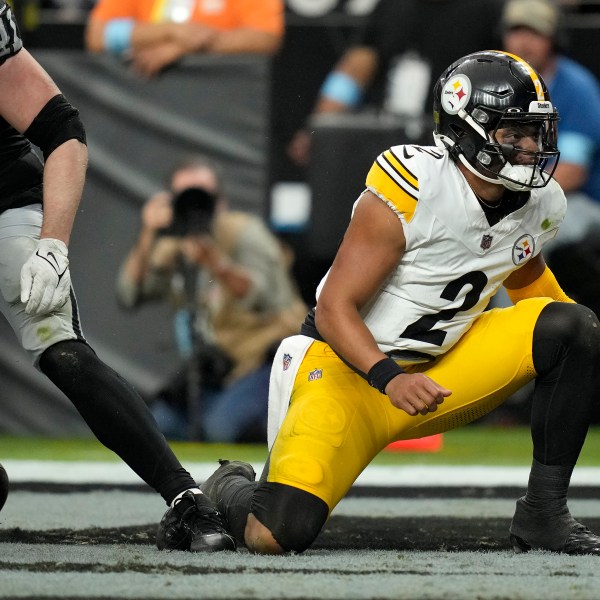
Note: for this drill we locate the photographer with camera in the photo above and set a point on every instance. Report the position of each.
(228, 278)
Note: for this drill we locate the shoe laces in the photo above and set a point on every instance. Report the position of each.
(200, 517)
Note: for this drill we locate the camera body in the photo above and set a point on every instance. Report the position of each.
(193, 213)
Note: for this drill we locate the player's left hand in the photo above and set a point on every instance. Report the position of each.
(45, 278)
(416, 393)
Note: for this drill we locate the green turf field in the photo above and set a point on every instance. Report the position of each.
(473, 445)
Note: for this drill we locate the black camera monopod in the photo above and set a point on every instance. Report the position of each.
(193, 213)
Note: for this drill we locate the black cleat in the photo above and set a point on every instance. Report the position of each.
(227, 468)
(561, 534)
(193, 524)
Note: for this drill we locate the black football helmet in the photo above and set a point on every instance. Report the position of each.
(484, 105)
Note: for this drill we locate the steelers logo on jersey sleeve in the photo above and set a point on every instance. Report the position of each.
(523, 249)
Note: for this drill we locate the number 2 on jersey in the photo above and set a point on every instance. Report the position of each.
(421, 329)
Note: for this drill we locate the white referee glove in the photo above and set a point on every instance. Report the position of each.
(45, 278)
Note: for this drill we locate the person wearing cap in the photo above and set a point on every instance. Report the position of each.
(532, 30)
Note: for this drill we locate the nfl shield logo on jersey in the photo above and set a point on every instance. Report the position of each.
(486, 241)
(315, 374)
(287, 360)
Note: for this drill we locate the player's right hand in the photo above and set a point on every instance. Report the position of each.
(415, 393)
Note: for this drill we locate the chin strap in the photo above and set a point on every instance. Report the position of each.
(520, 177)
(473, 170)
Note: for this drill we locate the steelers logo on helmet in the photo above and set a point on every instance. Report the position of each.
(456, 94)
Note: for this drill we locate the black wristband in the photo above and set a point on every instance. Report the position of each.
(382, 372)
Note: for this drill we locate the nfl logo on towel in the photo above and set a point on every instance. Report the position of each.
(316, 374)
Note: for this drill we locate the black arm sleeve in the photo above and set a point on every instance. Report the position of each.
(55, 124)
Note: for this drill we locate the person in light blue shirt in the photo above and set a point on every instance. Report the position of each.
(579, 126)
(532, 30)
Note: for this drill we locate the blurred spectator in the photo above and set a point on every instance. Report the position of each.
(229, 276)
(402, 49)
(154, 34)
(532, 30)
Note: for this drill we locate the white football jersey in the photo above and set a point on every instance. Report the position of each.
(454, 260)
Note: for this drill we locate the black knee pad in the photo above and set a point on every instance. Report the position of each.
(67, 358)
(561, 328)
(294, 517)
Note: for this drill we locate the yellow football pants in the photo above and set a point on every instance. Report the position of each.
(337, 424)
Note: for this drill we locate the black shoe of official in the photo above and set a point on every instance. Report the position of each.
(561, 533)
(227, 468)
(193, 524)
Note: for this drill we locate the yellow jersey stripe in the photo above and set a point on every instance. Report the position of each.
(385, 182)
(399, 168)
(380, 180)
(398, 177)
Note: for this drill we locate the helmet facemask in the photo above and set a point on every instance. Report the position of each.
(521, 151)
